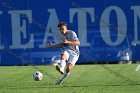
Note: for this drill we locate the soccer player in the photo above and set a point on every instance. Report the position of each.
(70, 55)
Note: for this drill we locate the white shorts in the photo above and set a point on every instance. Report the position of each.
(72, 56)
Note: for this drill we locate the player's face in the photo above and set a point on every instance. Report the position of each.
(63, 29)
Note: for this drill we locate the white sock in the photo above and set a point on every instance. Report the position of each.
(62, 64)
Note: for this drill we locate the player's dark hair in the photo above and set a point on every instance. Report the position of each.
(61, 24)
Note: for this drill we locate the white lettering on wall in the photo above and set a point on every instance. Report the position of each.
(136, 17)
(17, 29)
(122, 25)
(52, 25)
(82, 22)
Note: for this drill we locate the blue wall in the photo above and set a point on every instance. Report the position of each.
(106, 29)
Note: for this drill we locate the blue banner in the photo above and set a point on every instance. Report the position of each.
(108, 30)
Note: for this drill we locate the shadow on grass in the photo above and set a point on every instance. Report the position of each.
(65, 86)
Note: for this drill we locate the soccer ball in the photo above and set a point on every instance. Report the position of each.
(37, 76)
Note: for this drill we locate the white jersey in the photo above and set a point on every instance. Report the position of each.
(71, 35)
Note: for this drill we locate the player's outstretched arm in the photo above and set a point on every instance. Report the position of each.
(50, 45)
(72, 42)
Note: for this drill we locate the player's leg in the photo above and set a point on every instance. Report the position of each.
(64, 57)
(69, 67)
(67, 72)
(70, 64)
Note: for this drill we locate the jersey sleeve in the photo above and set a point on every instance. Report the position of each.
(74, 36)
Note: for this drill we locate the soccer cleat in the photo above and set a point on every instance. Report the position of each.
(59, 69)
(59, 82)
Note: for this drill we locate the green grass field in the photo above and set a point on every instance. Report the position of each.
(114, 78)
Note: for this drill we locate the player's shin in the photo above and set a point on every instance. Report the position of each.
(60, 81)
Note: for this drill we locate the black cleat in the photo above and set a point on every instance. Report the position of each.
(59, 69)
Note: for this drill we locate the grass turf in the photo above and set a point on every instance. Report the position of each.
(114, 78)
